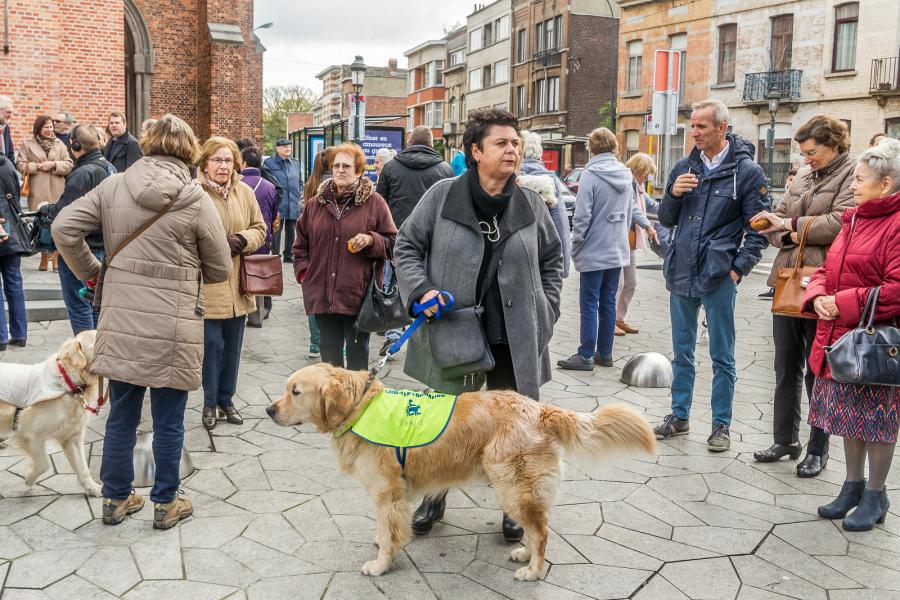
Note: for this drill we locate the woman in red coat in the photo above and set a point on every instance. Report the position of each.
(865, 254)
(342, 230)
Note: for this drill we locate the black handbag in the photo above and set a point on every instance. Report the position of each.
(381, 309)
(19, 232)
(868, 355)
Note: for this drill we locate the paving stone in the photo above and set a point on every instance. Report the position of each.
(212, 532)
(265, 561)
(337, 555)
(758, 573)
(598, 581)
(402, 581)
(211, 482)
(74, 586)
(864, 595)
(721, 540)
(214, 566)
(582, 519)
(689, 488)
(41, 568)
(778, 552)
(625, 515)
(195, 590)
(877, 556)
(69, 512)
(41, 534)
(598, 491)
(298, 587)
(11, 545)
(501, 581)
(274, 532)
(262, 502)
(710, 579)
(867, 574)
(16, 509)
(657, 505)
(659, 589)
(719, 516)
(313, 522)
(447, 586)
(476, 520)
(111, 569)
(664, 550)
(814, 537)
(601, 551)
(442, 555)
(158, 556)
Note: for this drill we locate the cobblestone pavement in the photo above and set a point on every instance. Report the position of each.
(274, 519)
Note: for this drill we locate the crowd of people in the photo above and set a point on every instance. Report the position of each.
(492, 230)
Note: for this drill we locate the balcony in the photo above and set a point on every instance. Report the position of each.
(757, 85)
(549, 57)
(884, 80)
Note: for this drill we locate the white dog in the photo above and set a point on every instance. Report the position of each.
(52, 400)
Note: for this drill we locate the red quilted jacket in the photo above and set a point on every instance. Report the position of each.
(865, 254)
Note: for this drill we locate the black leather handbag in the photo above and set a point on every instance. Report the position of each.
(19, 232)
(381, 309)
(868, 355)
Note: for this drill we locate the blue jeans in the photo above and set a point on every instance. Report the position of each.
(82, 315)
(391, 335)
(117, 469)
(719, 306)
(222, 341)
(15, 300)
(597, 297)
(313, 330)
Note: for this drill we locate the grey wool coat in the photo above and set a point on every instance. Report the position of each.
(440, 246)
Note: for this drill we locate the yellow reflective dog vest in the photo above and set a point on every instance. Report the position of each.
(404, 419)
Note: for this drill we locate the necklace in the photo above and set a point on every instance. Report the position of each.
(491, 233)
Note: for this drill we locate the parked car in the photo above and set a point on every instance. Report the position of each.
(569, 199)
(573, 178)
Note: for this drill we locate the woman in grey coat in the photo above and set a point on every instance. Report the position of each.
(461, 230)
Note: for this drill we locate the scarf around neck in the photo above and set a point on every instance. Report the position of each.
(486, 205)
(221, 189)
(46, 144)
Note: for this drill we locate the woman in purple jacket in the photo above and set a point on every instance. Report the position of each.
(267, 197)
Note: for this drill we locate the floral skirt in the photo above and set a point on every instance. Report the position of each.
(870, 413)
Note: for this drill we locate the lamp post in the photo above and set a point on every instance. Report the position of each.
(774, 98)
(266, 25)
(357, 76)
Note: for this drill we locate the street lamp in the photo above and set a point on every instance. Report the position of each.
(267, 25)
(774, 98)
(357, 77)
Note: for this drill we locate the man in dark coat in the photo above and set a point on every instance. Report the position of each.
(286, 170)
(62, 125)
(711, 195)
(122, 150)
(90, 169)
(6, 142)
(403, 182)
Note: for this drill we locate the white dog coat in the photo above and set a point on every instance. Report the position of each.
(23, 385)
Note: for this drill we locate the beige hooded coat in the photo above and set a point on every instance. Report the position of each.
(151, 321)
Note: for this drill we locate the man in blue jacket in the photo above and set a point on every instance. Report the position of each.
(286, 170)
(710, 197)
(6, 142)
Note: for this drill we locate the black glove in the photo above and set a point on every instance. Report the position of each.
(237, 244)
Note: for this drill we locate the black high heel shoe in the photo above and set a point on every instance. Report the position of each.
(431, 510)
(777, 452)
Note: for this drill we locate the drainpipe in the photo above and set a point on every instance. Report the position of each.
(5, 26)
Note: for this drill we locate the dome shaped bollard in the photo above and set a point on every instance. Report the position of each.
(648, 369)
(144, 465)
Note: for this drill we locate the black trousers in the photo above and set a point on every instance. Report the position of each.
(793, 342)
(337, 333)
(288, 228)
(502, 376)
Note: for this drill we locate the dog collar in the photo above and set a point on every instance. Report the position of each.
(78, 391)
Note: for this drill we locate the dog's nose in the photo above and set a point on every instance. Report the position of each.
(270, 410)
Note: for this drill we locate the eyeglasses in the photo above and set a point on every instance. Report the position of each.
(341, 167)
(218, 162)
(811, 153)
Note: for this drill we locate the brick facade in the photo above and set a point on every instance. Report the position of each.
(70, 55)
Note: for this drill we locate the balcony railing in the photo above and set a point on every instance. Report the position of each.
(779, 173)
(549, 57)
(757, 85)
(885, 77)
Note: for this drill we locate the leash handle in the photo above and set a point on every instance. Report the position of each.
(446, 307)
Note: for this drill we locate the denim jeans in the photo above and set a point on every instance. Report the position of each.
(222, 341)
(719, 306)
(117, 469)
(313, 331)
(14, 293)
(337, 333)
(82, 315)
(391, 335)
(597, 297)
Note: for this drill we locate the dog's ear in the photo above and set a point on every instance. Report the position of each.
(72, 354)
(336, 397)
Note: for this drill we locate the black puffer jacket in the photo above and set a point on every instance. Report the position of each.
(405, 179)
(90, 169)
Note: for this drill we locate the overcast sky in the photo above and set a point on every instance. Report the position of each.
(312, 34)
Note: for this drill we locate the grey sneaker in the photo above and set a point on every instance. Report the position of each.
(672, 426)
(576, 362)
(719, 441)
(603, 361)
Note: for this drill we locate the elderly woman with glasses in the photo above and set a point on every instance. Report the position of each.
(226, 307)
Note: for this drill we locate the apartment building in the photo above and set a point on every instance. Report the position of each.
(488, 55)
(384, 91)
(425, 86)
(455, 78)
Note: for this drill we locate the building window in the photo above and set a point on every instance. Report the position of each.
(539, 37)
(632, 143)
(501, 28)
(635, 52)
(437, 68)
(520, 45)
(429, 114)
(727, 52)
(846, 21)
(679, 44)
(487, 35)
(501, 71)
(559, 35)
(475, 80)
(457, 57)
(549, 34)
(410, 119)
(552, 94)
(486, 80)
(429, 75)
(782, 42)
(892, 128)
(463, 113)
(410, 81)
(452, 111)
(475, 40)
(438, 114)
(540, 96)
(520, 101)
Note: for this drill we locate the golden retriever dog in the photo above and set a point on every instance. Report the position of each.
(510, 440)
(58, 414)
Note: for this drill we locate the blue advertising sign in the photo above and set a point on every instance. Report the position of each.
(376, 138)
(316, 145)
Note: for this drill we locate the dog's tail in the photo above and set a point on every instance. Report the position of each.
(613, 429)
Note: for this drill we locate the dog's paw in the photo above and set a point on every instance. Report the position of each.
(93, 489)
(526, 574)
(374, 568)
(31, 478)
(520, 554)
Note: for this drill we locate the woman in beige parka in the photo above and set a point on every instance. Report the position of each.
(150, 333)
(226, 308)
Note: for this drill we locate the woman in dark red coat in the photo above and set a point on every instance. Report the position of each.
(865, 254)
(341, 232)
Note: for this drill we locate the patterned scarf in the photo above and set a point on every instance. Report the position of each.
(221, 189)
(46, 144)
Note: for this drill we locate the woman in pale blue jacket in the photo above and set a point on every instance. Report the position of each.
(600, 248)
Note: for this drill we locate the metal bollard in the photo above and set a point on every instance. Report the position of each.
(648, 369)
(145, 466)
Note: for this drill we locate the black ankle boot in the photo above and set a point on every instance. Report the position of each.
(512, 531)
(851, 493)
(812, 465)
(428, 512)
(872, 509)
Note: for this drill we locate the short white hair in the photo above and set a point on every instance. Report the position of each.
(5, 102)
(385, 155)
(883, 160)
(720, 111)
(533, 145)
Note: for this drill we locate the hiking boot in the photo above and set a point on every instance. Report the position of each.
(115, 511)
(576, 362)
(603, 361)
(719, 441)
(672, 426)
(166, 516)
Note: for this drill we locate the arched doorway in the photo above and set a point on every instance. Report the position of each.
(138, 67)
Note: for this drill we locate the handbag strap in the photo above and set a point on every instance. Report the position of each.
(135, 234)
(867, 317)
(804, 233)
